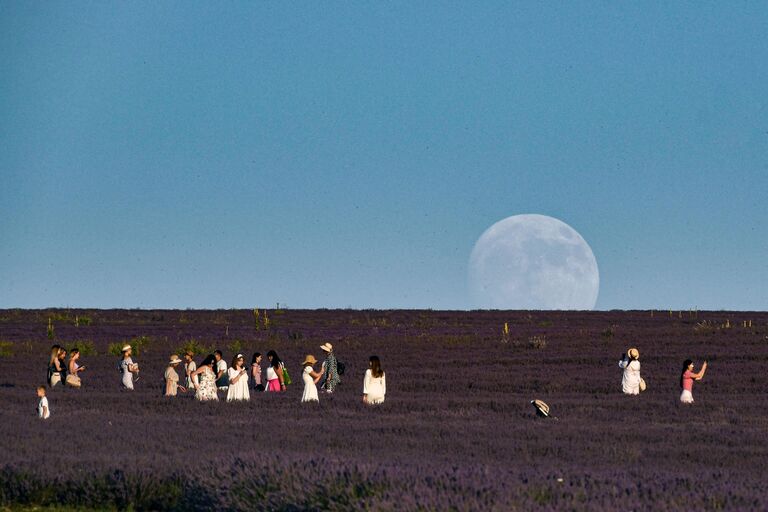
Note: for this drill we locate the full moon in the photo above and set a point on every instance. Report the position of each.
(533, 262)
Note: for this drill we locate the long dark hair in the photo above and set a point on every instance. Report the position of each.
(276, 361)
(686, 364)
(255, 357)
(209, 360)
(376, 369)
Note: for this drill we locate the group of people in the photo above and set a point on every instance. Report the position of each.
(213, 375)
(633, 384)
(63, 371)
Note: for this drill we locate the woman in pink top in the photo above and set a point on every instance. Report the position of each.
(686, 380)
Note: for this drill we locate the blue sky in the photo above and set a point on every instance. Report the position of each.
(195, 154)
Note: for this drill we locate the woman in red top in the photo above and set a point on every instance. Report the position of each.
(686, 380)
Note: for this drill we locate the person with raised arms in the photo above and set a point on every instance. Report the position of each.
(687, 376)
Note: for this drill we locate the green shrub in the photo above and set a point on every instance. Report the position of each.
(194, 346)
(82, 320)
(138, 344)
(236, 346)
(6, 348)
(86, 347)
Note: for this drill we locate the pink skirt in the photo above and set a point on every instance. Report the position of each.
(273, 385)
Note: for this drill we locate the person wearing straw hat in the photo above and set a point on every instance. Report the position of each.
(311, 378)
(127, 367)
(330, 369)
(631, 381)
(172, 378)
(238, 380)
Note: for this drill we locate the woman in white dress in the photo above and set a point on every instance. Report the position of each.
(128, 368)
(630, 363)
(238, 380)
(311, 378)
(374, 383)
(205, 388)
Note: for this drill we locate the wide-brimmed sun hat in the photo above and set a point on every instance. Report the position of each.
(542, 409)
(310, 359)
(633, 353)
(174, 359)
(327, 347)
(126, 348)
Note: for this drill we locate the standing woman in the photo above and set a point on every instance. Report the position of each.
(238, 380)
(172, 378)
(54, 367)
(256, 371)
(128, 368)
(630, 381)
(374, 383)
(73, 379)
(206, 387)
(311, 377)
(686, 380)
(275, 379)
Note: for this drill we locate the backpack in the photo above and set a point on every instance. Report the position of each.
(340, 367)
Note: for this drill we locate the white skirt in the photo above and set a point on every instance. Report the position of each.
(686, 397)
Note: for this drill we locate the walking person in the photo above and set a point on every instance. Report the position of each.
(172, 378)
(331, 377)
(128, 368)
(55, 367)
(311, 378)
(43, 411)
(205, 388)
(189, 368)
(374, 382)
(630, 380)
(275, 377)
(238, 380)
(686, 380)
(222, 379)
(74, 369)
(256, 371)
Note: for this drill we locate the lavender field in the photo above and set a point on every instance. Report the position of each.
(456, 432)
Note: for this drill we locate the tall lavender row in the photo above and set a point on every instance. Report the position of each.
(456, 431)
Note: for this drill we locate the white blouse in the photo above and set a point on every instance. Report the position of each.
(374, 387)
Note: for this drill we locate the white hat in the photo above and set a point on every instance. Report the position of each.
(174, 359)
(126, 347)
(327, 347)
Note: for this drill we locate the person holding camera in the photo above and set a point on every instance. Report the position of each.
(686, 380)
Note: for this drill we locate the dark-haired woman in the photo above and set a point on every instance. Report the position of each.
(256, 371)
(205, 389)
(374, 383)
(275, 379)
(687, 377)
